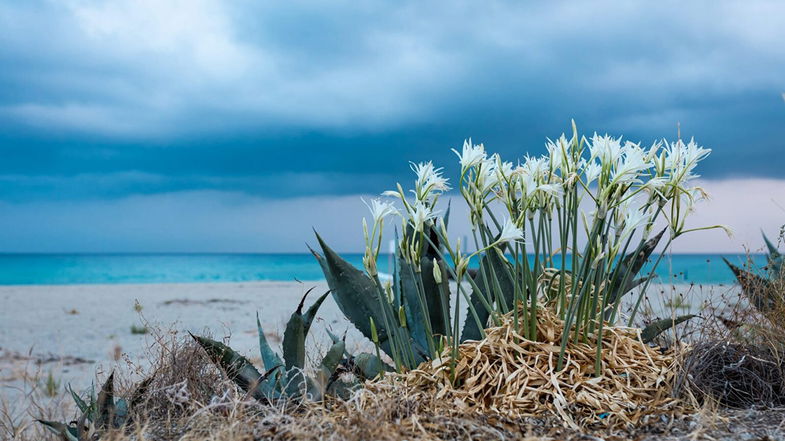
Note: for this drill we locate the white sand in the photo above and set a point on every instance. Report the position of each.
(94, 322)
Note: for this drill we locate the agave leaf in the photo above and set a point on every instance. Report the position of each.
(269, 386)
(629, 267)
(141, 389)
(355, 293)
(269, 358)
(370, 366)
(297, 384)
(237, 367)
(333, 358)
(121, 412)
(67, 433)
(756, 288)
(493, 264)
(294, 342)
(407, 286)
(775, 259)
(433, 297)
(333, 337)
(654, 329)
(328, 365)
(80, 403)
(105, 406)
(773, 251)
(310, 314)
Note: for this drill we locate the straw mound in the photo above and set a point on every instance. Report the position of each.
(507, 374)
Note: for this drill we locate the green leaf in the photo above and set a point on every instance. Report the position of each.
(756, 288)
(67, 433)
(237, 367)
(80, 403)
(140, 391)
(105, 406)
(629, 267)
(773, 251)
(294, 342)
(297, 384)
(333, 358)
(327, 368)
(407, 286)
(310, 314)
(121, 412)
(370, 366)
(775, 259)
(654, 329)
(269, 358)
(493, 264)
(355, 293)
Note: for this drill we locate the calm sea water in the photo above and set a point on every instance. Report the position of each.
(58, 269)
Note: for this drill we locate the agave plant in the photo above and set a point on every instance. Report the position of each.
(550, 251)
(98, 414)
(764, 292)
(285, 377)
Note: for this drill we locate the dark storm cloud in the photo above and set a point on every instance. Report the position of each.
(111, 99)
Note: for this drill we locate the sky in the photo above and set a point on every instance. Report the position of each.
(198, 125)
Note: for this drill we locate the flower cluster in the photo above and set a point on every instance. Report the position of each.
(616, 187)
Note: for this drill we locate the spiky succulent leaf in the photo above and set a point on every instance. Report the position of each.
(355, 293)
(105, 410)
(775, 259)
(121, 412)
(629, 267)
(406, 284)
(328, 365)
(296, 384)
(493, 264)
(269, 358)
(140, 391)
(237, 367)
(66, 432)
(370, 366)
(310, 313)
(80, 403)
(654, 329)
(758, 289)
(294, 342)
(332, 358)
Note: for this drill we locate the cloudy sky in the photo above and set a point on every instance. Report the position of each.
(197, 125)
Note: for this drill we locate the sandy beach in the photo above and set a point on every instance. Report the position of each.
(74, 331)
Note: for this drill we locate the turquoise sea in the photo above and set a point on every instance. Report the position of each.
(64, 269)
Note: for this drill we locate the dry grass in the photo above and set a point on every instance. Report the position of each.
(510, 375)
(188, 399)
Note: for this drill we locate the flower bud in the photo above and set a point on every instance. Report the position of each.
(374, 335)
(437, 271)
(401, 316)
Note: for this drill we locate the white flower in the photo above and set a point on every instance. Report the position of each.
(471, 155)
(592, 171)
(380, 210)
(429, 180)
(509, 233)
(632, 163)
(633, 219)
(655, 185)
(420, 215)
(606, 148)
(551, 189)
